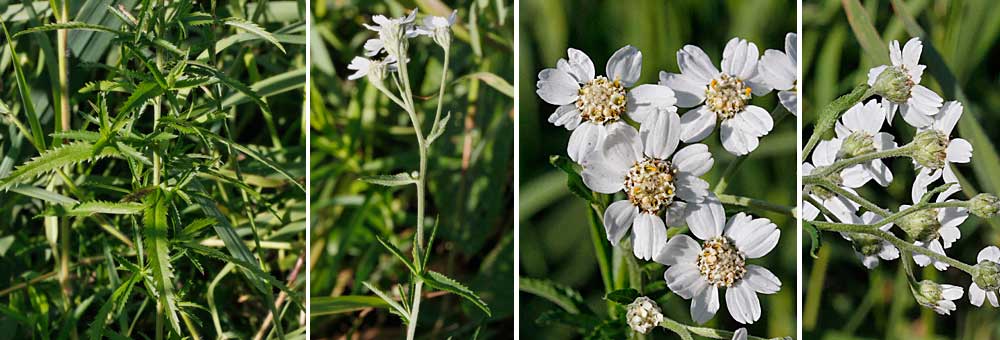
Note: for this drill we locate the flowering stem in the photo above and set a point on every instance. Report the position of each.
(757, 204)
(444, 77)
(685, 331)
(829, 115)
(827, 184)
(902, 151)
(899, 243)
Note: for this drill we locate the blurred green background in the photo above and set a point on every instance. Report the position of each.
(357, 131)
(843, 299)
(555, 242)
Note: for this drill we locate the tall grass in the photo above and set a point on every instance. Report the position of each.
(135, 175)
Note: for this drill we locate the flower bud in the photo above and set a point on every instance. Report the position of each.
(865, 244)
(986, 275)
(856, 144)
(932, 146)
(893, 84)
(928, 293)
(643, 315)
(984, 205)
(921, 225)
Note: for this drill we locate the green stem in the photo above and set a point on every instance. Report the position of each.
(899, 243)
(827, 184)
(828, 117)
(757, 204)
(597, 237)
(685, 331)
(902, 151)
(444, 77)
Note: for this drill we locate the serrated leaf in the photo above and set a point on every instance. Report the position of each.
(132, 153)
(143, 93)
(251, 270)
(51, 160)
(564, 297)
(327, 305)
(252, 28)
(158, 253)
(399, 254)
(86, 136)
(72, 25)
(623, 296)
(390, 180)
(573, 180)
(438, 129)
(96, 207)
(441, 282)
(394, 305)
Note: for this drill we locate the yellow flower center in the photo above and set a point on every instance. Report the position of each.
(727, 96)
(720, 263)
(601, 101)
(650, 184)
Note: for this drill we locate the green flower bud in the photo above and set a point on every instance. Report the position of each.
(932, 146)
(928, 293)
(984, 205)
(893, 84)
(865, 244)
(986, 275)
(921, 225)
(857, 144)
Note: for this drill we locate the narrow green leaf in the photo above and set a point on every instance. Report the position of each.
(441, 282)
(573, 179)
(132, 153)
(399, 254)
(438, 129)
(143, 93)
(327, 305)
(25, 93)
(623, 296)
(96, 207)
(255, 275)
(73, 25)
(390, 180)
(564, 297)
(51, 160)
(252, 28)
(42, 194)
(863, 29)
(158, 248)
(394, 305)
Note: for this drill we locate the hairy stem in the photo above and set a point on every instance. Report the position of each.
(899, 243)
(444, 78)
(902, 151)
(829, 115)
(757, 204)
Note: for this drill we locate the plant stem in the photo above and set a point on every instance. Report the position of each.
(829, 115)
(899, 243)
(853, 197)
(685, 331)
(757, 204)
(444, 77)
(902, 151)
(64, 226)
(411, 327)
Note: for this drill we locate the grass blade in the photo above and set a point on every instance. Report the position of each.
(863, 29)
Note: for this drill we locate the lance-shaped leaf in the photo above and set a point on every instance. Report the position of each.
(158, 252)
(441, 282)
(394, 305)
(438, 129)
(391, 180)
(96, 207)
(399, 254)
(51, 160)
(252, 28)
(343, 304)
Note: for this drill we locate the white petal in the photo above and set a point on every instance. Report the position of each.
(617, 220)
(948, 117)
(697, 124)
(951, 292)
(740, 334)
(924, 178)
(691, 188)
(761, 280)
(777, 70)
(739, 59)
(911, 52)
(680, 249)
(755, 120)
(880, 172)
(706, 219)
(689, 90)
(736, 140)
(889, 110)
(753, 237)
(959, 151)
(895, 54)
(625, 65)
(648, 235)
(676, 214)
(557, 87)
(790, 100)
(685, 280)
(991, 253)
(661, 134)
(648, 99)
(693, 159)
(604, 169)
(695, 63)
(855, 176)
(581, 65)
(743, 304)
(809, 211)
(825, 152)
(566, 116)
(874, 72)
(913, 116)
(884, 141)
(705, 305)
(976, 295)
(889, 251)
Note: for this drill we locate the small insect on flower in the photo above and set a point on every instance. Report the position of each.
(593, 106)
(870, 248)
(643, 315)
(725, 96)
(778, 70)
(859, 133)
(938, 297)
(696, 272)
(899, 85)
(843, 209)
(986, 277)
(654, 182)
(935, 229)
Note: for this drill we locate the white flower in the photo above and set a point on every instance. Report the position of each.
(640, 164)
(934, 229)
(726, 96)
(376, 70)
(392, 34)
(593, 106)
(858, 133)
(697, 272)
(938, 297)
(741, 334)
(940, 151)
(870, 248)
(844, 209)
(438, 28)
(976, 293)
(643, 315)
(779, 71)
(916, 102)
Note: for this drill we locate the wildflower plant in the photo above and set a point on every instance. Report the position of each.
(133, 184)
(920, 154)
(424, 181)
(636, 155)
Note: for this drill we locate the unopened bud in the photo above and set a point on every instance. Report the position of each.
(986, 275)
(893, 84)
(984, 205)
(643, 315)
(922, 225)
(865, 244)
(856, 144)
(932, 146)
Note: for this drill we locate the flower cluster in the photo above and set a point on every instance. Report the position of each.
(854, 158)
(630, 138)
(382, 54)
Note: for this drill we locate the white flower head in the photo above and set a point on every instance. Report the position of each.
(376, 70)
(935, 229)
(438, 28)
(779, 70)
(392, 34)
(938, 151)
(697, 271)
(869, 248)
(592, 106)
(858, 133)
(987, 268)
(843, 209)
(643, 315)
(938, 297)
(724, 96)
(899, 85)
(655, 184)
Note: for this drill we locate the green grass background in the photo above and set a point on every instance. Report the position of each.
(554, 238)
(843, 299)
(357, 131)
